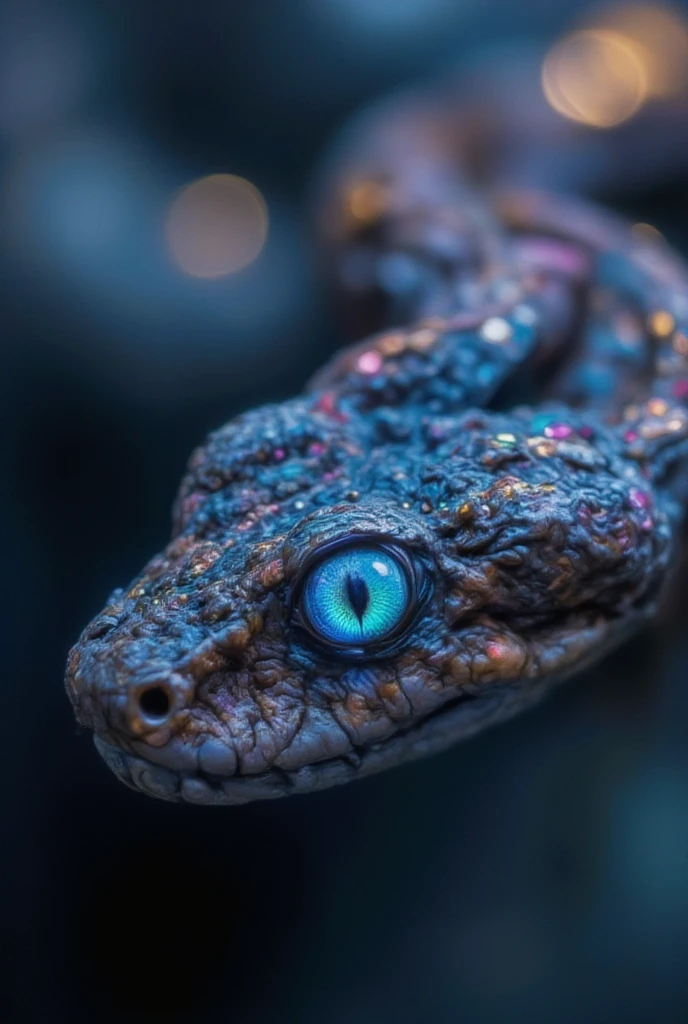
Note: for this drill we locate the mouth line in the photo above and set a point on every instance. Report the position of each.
(459, 718)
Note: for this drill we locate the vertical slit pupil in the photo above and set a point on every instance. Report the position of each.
(358, 595)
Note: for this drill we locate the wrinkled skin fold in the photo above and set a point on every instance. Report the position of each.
(542, 533)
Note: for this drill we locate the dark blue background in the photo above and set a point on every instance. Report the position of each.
(538, 873)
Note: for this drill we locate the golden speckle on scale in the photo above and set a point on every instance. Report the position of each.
(661, 323)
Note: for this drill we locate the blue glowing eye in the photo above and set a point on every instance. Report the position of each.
(356, 595)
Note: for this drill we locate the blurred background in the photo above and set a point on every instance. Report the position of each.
(538, 872)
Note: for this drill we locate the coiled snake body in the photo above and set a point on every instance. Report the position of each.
(462, 510)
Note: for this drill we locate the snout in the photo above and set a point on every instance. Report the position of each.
(140, 712)
(124, 689)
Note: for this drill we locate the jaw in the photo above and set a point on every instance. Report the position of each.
(454, 721)
(496, 679)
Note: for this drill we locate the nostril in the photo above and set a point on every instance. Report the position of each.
(155, 703)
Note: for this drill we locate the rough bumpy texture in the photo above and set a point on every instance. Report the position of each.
(540, 533)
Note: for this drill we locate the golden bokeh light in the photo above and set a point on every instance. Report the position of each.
(367, 200)
(596, 76)
(216, 226)
(662, 323)
(647, 232)
(661, 36)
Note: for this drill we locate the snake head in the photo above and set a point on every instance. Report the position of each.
(335, 602)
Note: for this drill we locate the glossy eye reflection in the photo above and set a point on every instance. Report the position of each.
(356, 595)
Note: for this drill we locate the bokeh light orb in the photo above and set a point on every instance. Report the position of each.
(596, 76)
(216, 226)
(367, 200)
(660, 34)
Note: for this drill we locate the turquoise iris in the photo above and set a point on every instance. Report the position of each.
(356, 595)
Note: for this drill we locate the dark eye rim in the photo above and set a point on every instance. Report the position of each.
(417, 579)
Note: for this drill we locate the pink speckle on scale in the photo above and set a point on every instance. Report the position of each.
(547, 252)
(316, 448)
(369, 362)
(639, 499)
(279, 454)
(630, 436)
(327, 404)
(558, 431)
(494, 650)
(680, 388)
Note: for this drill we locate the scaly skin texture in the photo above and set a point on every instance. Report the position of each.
(542, 533)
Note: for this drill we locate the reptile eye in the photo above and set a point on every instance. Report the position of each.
(357, 595)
